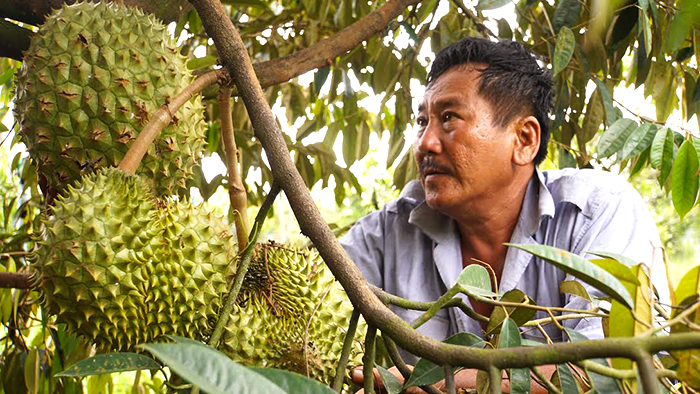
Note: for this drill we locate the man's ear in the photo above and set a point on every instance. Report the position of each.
(527, 140)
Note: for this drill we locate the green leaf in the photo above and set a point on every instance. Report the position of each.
(610, 113)
(574, 288)
(623, 322)
(504, 30)
(201, 62)
(491, 4)
(476, 279)
(563, 50)
(684, 182)
(646, 31)
(615, 137)
(618, 270)
(567, 383)
(688, 287)
(639, 140)
(7, 75)
(210, 370)
(661, 155)
(426, 372)
(320, 78)
(110, 363)
(510, 337)
(292, 382)
(602, 384)
(581, 269)
(566, 14)
(519, 315)
(391, 382)
(615, 256)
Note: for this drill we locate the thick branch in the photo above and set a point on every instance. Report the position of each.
(161, 119)
(35, 11)
(14, 280)
(323, 52)
(234, 56)
(15, 39)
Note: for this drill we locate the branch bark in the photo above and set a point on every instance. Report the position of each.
(15, 39)
(34, 12)
(14, 280)
(235, 58)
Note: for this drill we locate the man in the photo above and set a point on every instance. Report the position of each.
(483, 128)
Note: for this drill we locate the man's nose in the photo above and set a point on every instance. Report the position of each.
(430, 140)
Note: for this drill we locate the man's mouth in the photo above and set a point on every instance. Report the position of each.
(430, 167)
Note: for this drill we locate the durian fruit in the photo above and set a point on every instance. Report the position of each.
(120, 267)
(92, 76)
(291, 314)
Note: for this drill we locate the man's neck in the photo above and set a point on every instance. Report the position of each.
(484, 229)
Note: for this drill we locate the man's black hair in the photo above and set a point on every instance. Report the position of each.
(512, 82)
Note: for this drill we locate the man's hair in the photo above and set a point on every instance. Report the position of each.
(512, 82)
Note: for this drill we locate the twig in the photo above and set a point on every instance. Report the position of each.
(680, 317)
(401, 365)
(647, 372)
(368, 359)
(449, 380)
(470, 15)
(546, 320)
(495, 376)
(306, 331)
(162, 118)
(345, 353)
(245, 259)
(236, 190)
(551, 388)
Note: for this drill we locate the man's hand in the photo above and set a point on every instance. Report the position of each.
(464, 379)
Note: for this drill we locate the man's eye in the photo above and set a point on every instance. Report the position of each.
(421, 121)
(448, 116)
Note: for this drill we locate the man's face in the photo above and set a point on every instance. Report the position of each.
(464, 157)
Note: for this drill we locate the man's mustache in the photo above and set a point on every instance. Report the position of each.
(430, 165)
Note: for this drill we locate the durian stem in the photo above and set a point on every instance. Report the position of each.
(236, 191)
(243, 266)
(401, 365)
(345, 353)
(449, 380)
(368, 359)
(162, 118)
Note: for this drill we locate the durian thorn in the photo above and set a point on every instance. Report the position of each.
(306, 331)
(162, 118)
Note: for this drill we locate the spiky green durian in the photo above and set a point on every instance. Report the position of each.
(121, 268)
(93, 75)
(291, 314)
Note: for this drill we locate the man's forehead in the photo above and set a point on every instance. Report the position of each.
(452, 87)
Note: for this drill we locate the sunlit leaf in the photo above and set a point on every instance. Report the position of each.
(210, 370)
(610, 113)
(426, 372)
(563, 50)
(684, 182)
(623, 322)
(491, 4)
(615, 137)
(688, 287)
(662, 151)
(574, 288)
(619, 270)
(201, 62)
(639, 140)
(582, 269)
(110, 363)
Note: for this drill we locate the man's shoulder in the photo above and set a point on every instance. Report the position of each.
(587, 188)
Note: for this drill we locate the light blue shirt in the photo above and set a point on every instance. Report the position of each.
(410, 250)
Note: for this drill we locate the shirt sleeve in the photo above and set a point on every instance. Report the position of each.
(364, 243)
(621, 224)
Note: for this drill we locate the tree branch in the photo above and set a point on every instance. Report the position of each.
(15, 39)
(34, 12)
(235, 58)
(15, 280)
